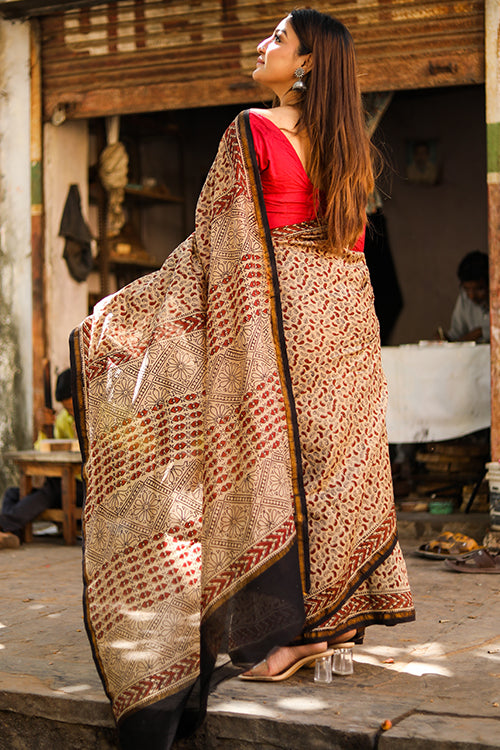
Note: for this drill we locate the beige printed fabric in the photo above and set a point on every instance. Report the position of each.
(186, 445)
(192, 464)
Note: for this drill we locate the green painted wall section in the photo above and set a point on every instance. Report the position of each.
(493, 146)
(36, 183)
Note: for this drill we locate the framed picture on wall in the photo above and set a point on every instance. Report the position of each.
(422, 161)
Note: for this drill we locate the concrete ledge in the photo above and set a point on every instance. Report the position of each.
(421, 731)
(21, 732)
(230, 732)
(57, 707)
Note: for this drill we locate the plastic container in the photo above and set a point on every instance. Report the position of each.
(493, 477)
(441, 506)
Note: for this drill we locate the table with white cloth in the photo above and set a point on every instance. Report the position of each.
(437, 390)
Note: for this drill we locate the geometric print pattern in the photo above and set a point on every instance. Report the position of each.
(186, 454)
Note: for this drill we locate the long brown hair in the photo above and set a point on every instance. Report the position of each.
(340, 160)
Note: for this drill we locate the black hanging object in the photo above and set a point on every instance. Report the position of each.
(77, 252)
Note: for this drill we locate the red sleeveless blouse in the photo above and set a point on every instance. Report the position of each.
(288, 191)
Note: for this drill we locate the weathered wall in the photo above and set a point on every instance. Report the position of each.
(432, 227)
(65, 163)
(15, 239)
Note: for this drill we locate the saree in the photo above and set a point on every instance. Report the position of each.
(230, 410)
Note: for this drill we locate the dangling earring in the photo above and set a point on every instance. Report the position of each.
(299, 85)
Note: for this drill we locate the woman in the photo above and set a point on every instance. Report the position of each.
(232, 414)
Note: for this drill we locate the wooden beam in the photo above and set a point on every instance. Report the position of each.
(32, 8)
(84, 99)
(492, 49)
(39, 335)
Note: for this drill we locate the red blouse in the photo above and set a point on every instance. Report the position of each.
(288, 191)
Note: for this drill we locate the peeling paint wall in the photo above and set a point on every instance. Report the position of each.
(65, 162)
(15, 243)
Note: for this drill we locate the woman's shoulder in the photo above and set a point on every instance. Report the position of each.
(259, 117)
(277, 118)
(256, 117)
(261, 112)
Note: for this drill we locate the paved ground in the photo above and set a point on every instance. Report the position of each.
(437, 680)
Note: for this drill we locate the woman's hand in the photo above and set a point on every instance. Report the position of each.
(473, 335)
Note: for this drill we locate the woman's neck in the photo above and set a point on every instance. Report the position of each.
(285, 116)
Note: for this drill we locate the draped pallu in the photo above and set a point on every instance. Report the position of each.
(231, 414)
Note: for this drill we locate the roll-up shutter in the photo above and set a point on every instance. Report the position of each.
(146, 55)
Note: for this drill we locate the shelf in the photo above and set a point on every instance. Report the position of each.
(133, 259)
(160, 193)
(406, 515)
(124, 257)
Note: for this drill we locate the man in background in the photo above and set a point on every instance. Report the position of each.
(470, 320)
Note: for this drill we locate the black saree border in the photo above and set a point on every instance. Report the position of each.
(387, 618)
(78, 396)
(77, 393)
(248, 149)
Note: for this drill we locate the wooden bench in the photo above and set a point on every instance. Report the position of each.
(64, 464)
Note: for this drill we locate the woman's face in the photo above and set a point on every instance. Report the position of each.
(278, 59)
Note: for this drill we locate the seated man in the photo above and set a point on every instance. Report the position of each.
(470, 320)
(16, 511)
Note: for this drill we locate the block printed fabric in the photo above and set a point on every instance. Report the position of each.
(231, 414)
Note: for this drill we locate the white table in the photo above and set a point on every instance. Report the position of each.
(437, 390)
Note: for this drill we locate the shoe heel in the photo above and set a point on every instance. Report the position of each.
(342, 661)
(323, 670)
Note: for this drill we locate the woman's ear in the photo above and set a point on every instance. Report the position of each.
(307, 64)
